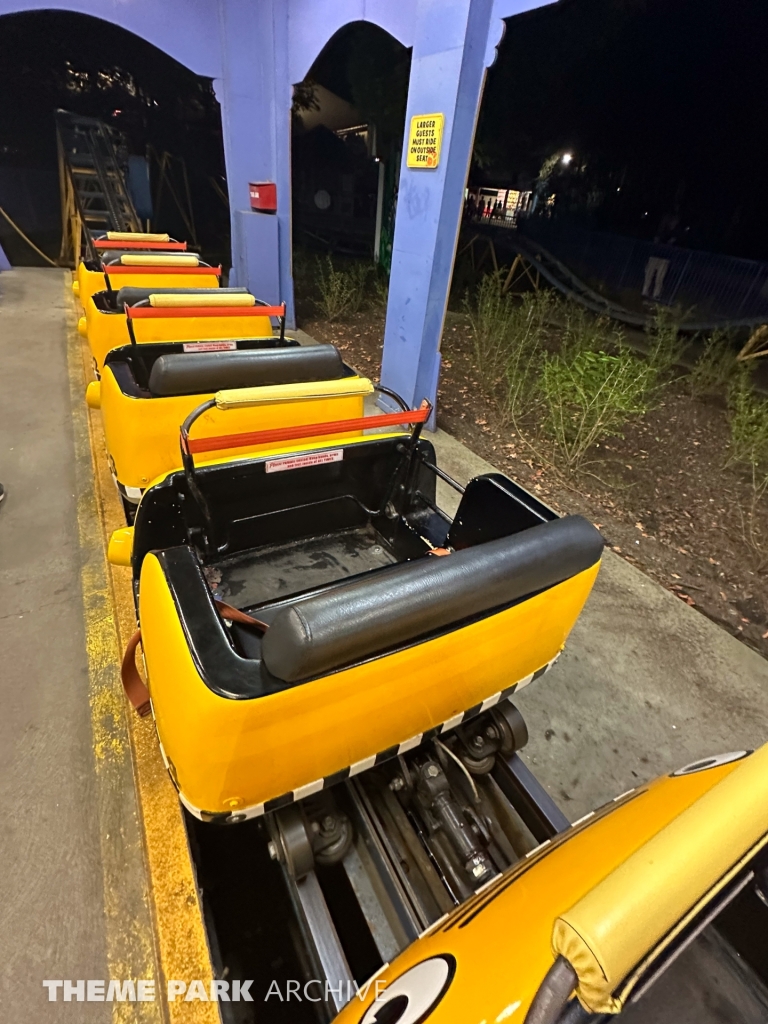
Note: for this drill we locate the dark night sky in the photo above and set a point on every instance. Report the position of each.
(667, 98)
(664, 99)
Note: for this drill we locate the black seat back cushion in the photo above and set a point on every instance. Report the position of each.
(195, 373)
(322, 633)
(129, 296)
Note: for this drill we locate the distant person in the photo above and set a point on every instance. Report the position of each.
(655, 272)
(657, 266)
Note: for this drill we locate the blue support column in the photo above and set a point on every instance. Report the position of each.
(447, 76)
(255, 97)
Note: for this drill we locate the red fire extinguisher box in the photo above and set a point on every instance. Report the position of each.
(263, 196)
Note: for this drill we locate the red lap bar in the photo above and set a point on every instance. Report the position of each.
(160, 312)
(391, 419)
(138, 268)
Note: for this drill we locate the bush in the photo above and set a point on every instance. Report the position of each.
(588, 398)
(381, 289)
(524, 356)
(508, 338)
(665, 344)
(748, 422)
(716, 366)
(303, 268)
(490, 317)
(341, 292)
(582, 331)
(585, 391)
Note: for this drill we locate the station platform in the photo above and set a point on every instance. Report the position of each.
(96, 878)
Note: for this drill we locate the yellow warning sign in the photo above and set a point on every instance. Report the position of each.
(425, 139)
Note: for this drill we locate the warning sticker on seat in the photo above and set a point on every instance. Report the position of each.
(210, 346)
(299, 461)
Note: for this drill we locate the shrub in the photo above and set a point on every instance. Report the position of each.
(341, 292)
(748, 421)
(665, 345)
(588, 398)
(716, 366)
(380, 288)
(303, 268)
(524, 355)
(582, 331)
(490, 318)
(508, 337)
(585, 391)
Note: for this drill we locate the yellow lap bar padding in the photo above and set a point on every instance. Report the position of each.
(136, 236)
(294, 392)
(633, 914)
(76, 287)
(162, 301)
(82, 327)
(120, 546)
(160, 260)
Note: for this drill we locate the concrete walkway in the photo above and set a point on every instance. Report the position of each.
(72, 879)
(645, 685)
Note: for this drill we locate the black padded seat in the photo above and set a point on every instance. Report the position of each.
(195, 373)
(344, 624)
(129, 296)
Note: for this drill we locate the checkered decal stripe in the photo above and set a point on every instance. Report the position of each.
(257, 810)
(132, 494)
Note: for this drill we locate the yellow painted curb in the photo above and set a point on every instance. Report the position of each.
(171, 942)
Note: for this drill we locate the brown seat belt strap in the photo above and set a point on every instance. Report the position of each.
(235, 615)
(136, 689)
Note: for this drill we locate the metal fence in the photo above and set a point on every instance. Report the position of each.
(702, 285)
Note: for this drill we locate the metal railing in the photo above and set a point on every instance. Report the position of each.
(703, 286)
(94, 192)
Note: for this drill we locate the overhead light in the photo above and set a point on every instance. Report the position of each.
(566, 158)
